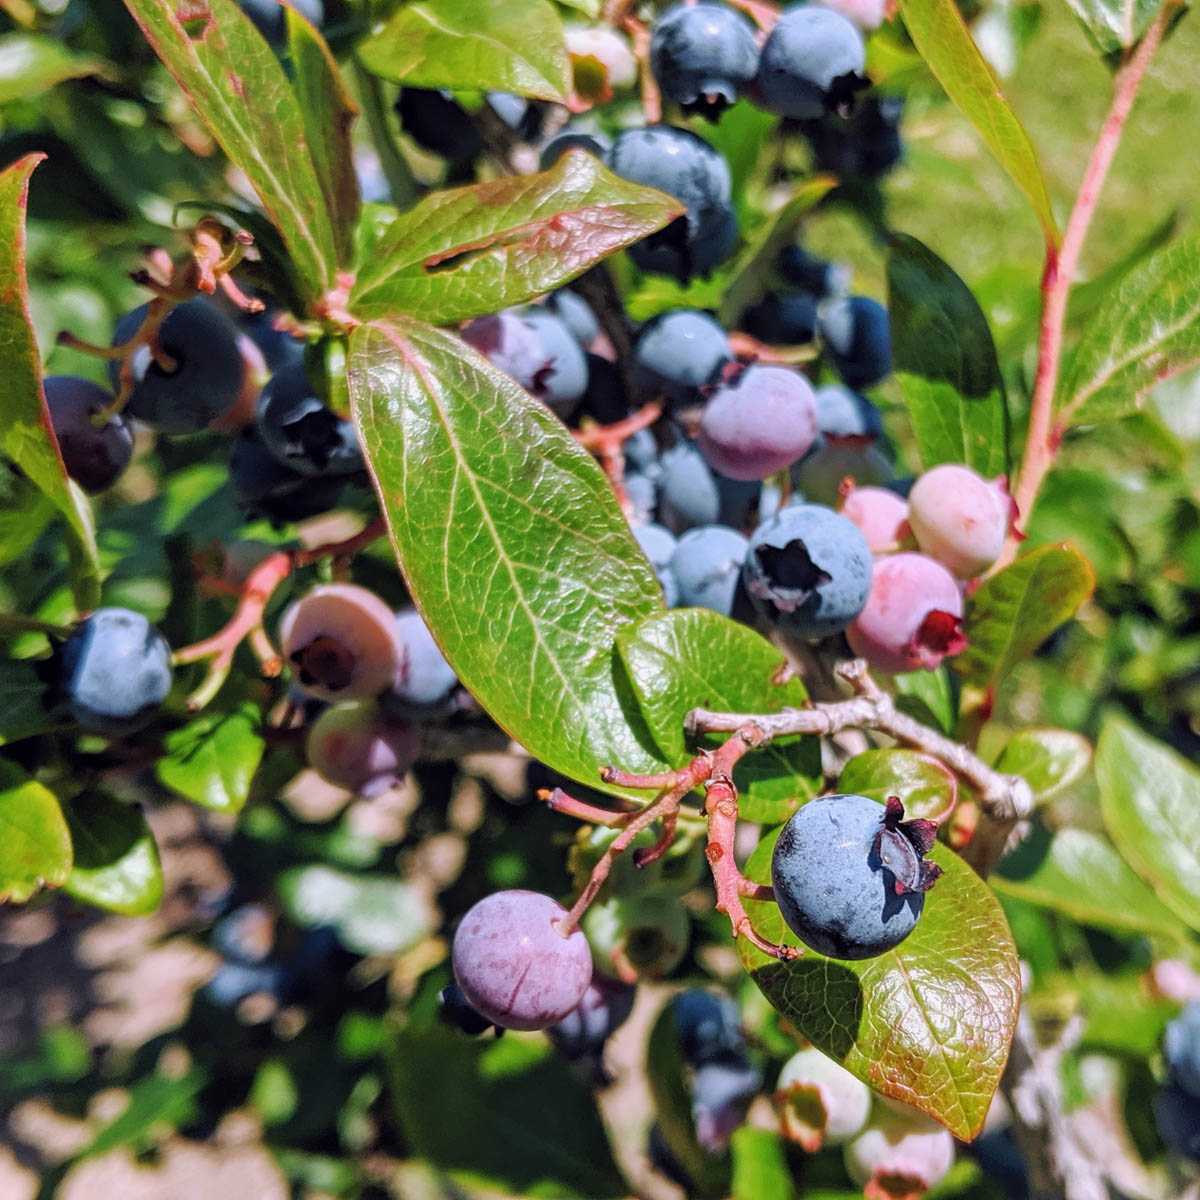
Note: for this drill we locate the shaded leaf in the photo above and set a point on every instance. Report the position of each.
(1015, 610)
(929, 1022)
(945, 362)
(212, 759)
(696, 658)
(25, 433)
(1122, 1014)
(1147, 329)
(474, 45)
(35, 845)
(929, 696)
(1049, 760)
(510, 540)
(1078, 872)
(22, 714)
(480, 248)
(30, 63)
(944, 42)
(1150, 798)
(116, 859)
(1115, 25)
(925, 788)
(329, 115)
(240, 90)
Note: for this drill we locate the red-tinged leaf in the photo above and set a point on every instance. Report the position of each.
(26, 436)
(477, 249)
(242, 94)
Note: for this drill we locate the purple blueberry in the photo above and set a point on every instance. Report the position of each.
(94, 458)
(702, 55)
(812, 61)
(565, 378)
(850, 875)
(512, 345)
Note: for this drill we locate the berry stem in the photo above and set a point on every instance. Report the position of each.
(561, 802)
(1045, 434)
(13, 623)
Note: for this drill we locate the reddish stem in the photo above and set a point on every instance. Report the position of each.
(1043, 438)
(561, 802)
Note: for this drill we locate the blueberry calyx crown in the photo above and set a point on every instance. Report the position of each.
(901, 847)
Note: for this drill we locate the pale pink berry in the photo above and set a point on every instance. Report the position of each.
(960, 518)
(357, 747)
(881, 516)
(899, 1157)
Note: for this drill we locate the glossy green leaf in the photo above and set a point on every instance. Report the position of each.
(373, 914)
(474, 45)
(480, 248)
(25, 433)
(329, 114)
(1015, 610)
(945, 43)
(945, 362)
(212, 759)
(929, 696)
(35, 844)
(1147, 329)
(1115, 25)
(1150, 798)
(1049, 760)
(930, 1022)
(30, 63)
(696, 658)
(510, 540)
(241, 92)
(1079, 873)
(925, 788)
(116, 859)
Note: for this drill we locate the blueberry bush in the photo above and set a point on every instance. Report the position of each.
(551, 644)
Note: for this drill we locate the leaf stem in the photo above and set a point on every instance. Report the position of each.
(1044, 436)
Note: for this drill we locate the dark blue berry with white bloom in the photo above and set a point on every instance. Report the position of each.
(702, 55)
(707, 564)
(303, 432)
(812, 61)
(857, 337)
(681, 351)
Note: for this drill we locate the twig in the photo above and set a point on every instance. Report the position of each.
(607, 442)
(1044, 436)
(1005, 799)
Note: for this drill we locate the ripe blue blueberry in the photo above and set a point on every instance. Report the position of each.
(264, 487)
(850, 875)
(842, 413)
(642, 491)
(439, 124)
(687, 488)
(813, 60)
(605, 1007)
(301, 431)
(1181, 1046)
(658, 545)
(702, 55)
(1177, 1115)
(576, 313)
(595, 143)
(425, 680)
(709, 1025)
(707, 564)
(207, 375)
(94, 458)
(810, 274)
(565, 378)
(782, 320)
(681, 351)
(808, 571)
(512, 345)
(114, 671)
(685, 166)
(857, 337)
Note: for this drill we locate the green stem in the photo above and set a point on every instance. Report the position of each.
(14, 623)
(401, 182)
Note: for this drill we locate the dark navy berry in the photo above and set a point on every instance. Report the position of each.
(707, 564)
(782, 320)
(207, 375)
(687, 488)
(812, 61)
(702, 55)
(850, 875)
(808, 571)
(606, 400)
(1177, 1115)
(605, 1007)
(94, 458)
(1181, 1046)
(439, 124)
(658, 545)
(862, 146)
(812, 275)
(114, 671)
(685, 166)
(573, 139)
(709, 1025)
(268, 16)
(301, 431)
(681, 351)
(264, 487)
(857, 337)
(453, 1010)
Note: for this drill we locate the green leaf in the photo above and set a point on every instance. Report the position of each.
(240, 90)
(1148, 329)
(329, 115)
(1115, 25)
(465, 1106)
(25, 433)
(212, 759)
(116, 858)
(30, 63)
(945, 362)
(929, 696)
(510, 540)
(22, 714)
(1014, 611)
(474, 45)
(760, 1168)
(1049, 760)
(696, 658)
(944, 42)
(35, 844)
(1150, 797)
(925, 788)
(373, 914)
(1077, 872)
(477, 249)
(1122, 1014)
(929, 1022)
